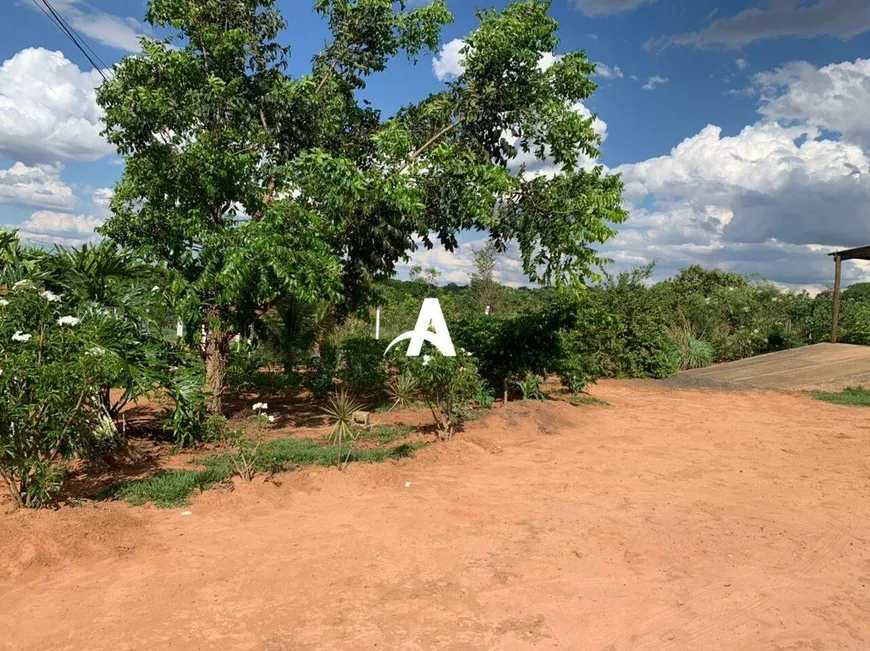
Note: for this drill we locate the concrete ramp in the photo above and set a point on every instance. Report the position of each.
(828, 367)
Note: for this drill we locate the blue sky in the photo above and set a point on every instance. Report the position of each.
(740, 127)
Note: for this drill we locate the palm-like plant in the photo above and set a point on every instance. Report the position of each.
(341, 408)
(401, 390)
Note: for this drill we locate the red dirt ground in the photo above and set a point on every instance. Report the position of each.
(669, 520)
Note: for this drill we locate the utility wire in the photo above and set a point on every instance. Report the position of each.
(73, 35)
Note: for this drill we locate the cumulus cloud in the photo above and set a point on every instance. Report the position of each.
(114, 31)
(47, 221)
(48, 109)
(39, 186)
(769, 200)
(777, 18)
(606, 7)
(834, 97)
(450, 62)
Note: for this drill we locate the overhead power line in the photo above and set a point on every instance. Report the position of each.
(58, 21)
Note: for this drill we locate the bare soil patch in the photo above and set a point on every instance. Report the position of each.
(667, 520)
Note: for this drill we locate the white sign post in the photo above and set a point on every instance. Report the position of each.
(430, 316)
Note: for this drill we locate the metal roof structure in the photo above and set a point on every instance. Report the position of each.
(861, 253)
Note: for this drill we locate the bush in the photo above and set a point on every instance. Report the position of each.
(450, 386)
(50, 374)
(363, 368)
(626, 324)
(322, 370)
(191, 421)
(510, 349)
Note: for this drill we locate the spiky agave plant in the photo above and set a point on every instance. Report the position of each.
(341, 408)
(401, 390)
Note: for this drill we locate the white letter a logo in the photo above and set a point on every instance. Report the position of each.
(430, 315)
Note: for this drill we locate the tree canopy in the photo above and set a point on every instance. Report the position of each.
(252, 186)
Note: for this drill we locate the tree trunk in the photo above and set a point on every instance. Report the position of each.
(216, 352)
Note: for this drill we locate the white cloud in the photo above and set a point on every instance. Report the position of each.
(772, 200)
(741, 64)
(835, 97)
(655, 81)
(48, 109)
(606, 7)
(39, 186)
(603, 70)
(101, 199)
(450, 62)
(840, 18)
(114, 31)
(47, 221)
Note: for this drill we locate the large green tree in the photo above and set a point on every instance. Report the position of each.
(252, 186)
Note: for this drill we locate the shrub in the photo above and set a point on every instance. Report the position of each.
(191, 421)
(50, 374)
(322, 370)
(450, 386)
(626, 323)
(510, 349)
(363, 368)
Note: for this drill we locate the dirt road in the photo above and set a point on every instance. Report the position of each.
(669, 520)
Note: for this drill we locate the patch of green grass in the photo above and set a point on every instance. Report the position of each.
(580, 401)
(174, 487)
(387, 407)
(852, 396)
(166, 489)
(386, 434)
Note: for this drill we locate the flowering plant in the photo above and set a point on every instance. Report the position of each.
(48, 392)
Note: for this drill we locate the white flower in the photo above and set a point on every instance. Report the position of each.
(271, 419)
(156, 288)
(426, 360)
(3, 302)
(51, 297)
(755, 332)
(260, 406)
(68, 320)
(730, 289)
(20, 336)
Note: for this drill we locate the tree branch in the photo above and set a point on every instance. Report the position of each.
(326, 77)
(420, 151)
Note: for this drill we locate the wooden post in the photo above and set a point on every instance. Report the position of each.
(837, 277)
(378, 324)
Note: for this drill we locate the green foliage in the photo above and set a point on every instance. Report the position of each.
(191, 421)
(691, 352)
(363, 368)
(450, 386)
(50, 374)
(530, 387)
(851, 396)
(341, 409)
(322, 370)
(402, 390)
(626, 323)
(264, 188)
(508, 349)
